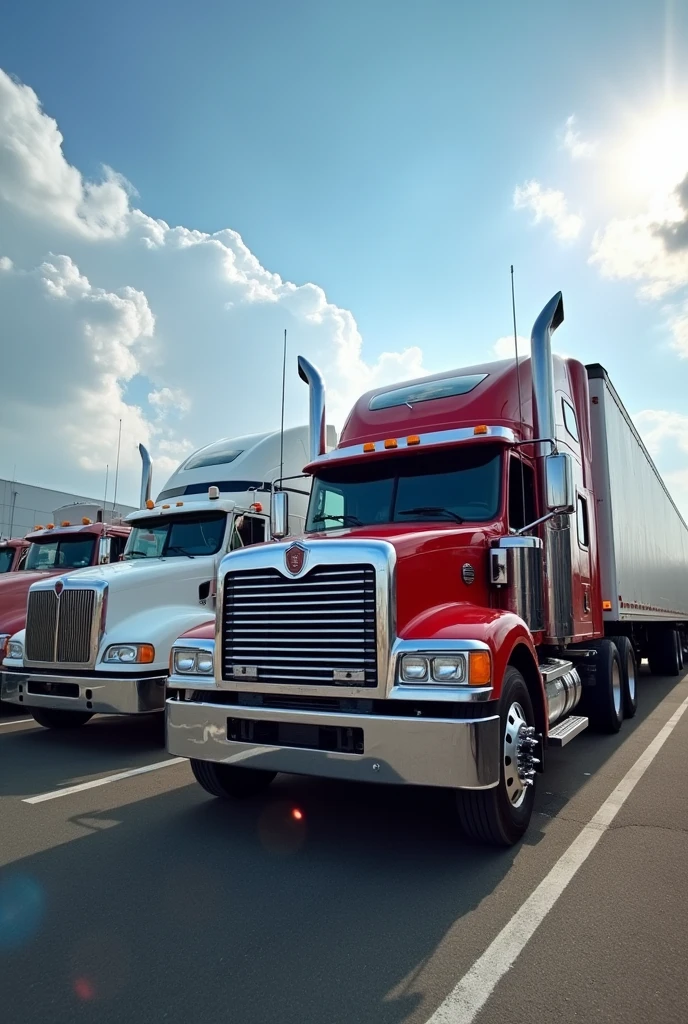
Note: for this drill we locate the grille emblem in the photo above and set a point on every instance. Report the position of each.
(59, 587)
(294, 557)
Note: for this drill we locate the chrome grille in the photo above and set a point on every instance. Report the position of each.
(41, 623)
(58, 629)
(74, 626)
(279, 630)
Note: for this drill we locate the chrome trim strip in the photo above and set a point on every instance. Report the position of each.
(117, 696)
(452, 753)
(72, 583)
(327, 552)
(435, 437)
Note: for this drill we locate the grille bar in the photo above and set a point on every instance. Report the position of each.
(301, 630)
(41, 623)
(59, 629)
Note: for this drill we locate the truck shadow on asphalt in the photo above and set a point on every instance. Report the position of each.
(182, 908)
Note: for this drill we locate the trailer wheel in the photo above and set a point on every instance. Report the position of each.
(500, 816)
(665, 654)
(629, 674)
(56, 718)
(230, 781)
(603, 701)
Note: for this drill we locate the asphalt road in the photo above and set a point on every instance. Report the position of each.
(146, 900)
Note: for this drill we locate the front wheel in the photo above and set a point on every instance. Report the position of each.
(228, 780)
(54, 718)
(501, 816)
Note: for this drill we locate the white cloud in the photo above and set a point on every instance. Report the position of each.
(658, 427)
(102, 302)
(503, 348)
(548, 204)
(574, 143)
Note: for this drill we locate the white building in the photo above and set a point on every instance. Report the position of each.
(23, 506)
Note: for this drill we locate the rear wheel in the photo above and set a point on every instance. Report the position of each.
(56, 718)
(228, 780)
(500, 816)
(629, 675)
(665, 653)
(603, 696)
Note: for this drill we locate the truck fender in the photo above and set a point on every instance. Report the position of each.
(507, 636)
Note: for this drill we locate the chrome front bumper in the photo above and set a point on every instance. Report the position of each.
(460, 754)
(121, 695)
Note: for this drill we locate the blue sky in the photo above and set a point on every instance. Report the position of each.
(373, 148)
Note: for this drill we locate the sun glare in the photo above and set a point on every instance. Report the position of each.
(654, 158)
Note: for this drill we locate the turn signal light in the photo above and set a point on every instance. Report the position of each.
(413, 439)
(479, 668)
(146, 654)
(369, 446)
(391, 442)
(606, 606)
(482, 429)
(150, 503)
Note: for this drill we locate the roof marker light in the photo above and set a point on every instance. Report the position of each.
(38, 527)
(213, 492)
(166, 506)
(50, 526)
(482, 429)
(369, 446)
(86, 521)
(65, 522)
(257, 506)
(150, 503)
(391, 442)
(413, 439)
(179, 504)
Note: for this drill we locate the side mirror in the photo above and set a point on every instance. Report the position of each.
(560, 494)
(104, 550)
(279, 515)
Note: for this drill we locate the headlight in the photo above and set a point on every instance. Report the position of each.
(414, 669)
(186, 662)
(450, 668)
(15, 649)
(127, 654)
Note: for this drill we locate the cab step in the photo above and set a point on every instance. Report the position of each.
(567, 730)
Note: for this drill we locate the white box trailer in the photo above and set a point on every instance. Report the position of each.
(642, 535)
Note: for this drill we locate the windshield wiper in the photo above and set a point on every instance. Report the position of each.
(178, 551)
(430, 510)
(346, 520)
(141, 554)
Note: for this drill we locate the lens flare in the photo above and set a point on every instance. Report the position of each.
(296, 814)
(22, 907)
(84, 989)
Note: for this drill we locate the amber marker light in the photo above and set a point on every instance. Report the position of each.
(413, 439)
(50, 526)
(257, 506)
(482, 429)
(606, 606)
(479, 668)
(150, 503)
(65, 522)
(86, 521)
(369, 446)
(391, 442)
(146, 654)
(179, 504)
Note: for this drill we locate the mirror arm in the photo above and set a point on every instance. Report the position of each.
(543, 519)
(537, 440)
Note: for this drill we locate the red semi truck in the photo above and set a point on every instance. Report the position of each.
(12, 554)
(78, 541)
(488, 554)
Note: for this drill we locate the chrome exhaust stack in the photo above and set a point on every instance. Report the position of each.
(318, 431)
(541, 367)
(146, 476)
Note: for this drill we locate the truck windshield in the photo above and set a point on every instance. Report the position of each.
(461, 485)
(177, 536)
(73, 552)
(6, 559)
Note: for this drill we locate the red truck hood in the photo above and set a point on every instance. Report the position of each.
(14, 587)
(434, 563)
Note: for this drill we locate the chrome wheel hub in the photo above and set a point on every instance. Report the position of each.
(630, 674)
(616, 686)
(519, 758)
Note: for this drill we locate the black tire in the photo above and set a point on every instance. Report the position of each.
(489, 815)
(603, 696)
(230, 781)
(56, 718)
(629, 674)
(664, 655)
(681, 658)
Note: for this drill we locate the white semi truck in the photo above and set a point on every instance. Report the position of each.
(98, 640)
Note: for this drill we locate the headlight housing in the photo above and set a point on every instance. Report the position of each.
(186, 662)
(15, 649)
(129, 654)
(449, 668)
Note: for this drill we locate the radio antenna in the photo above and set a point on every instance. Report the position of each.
(520, 399)
(107, 471)
(284, 381)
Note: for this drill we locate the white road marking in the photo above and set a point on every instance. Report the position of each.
(465, 1001)
(17, 721)
(68, 790)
